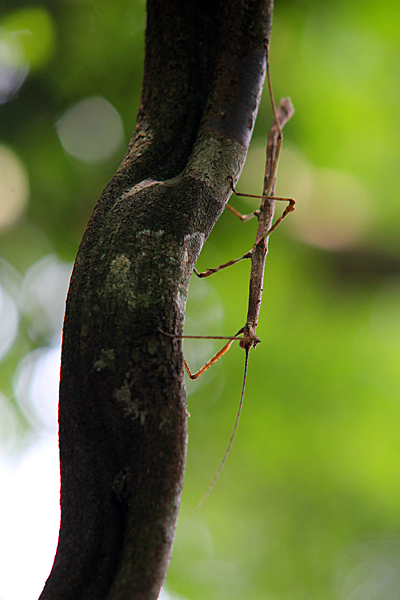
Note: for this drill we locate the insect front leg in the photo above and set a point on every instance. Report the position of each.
(209, 272)
(241, 338)
(209, 363)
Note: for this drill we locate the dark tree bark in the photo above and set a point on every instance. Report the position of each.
(122, 416)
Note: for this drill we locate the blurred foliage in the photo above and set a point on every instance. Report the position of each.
(307, 504)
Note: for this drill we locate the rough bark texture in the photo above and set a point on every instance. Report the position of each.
(122, 415)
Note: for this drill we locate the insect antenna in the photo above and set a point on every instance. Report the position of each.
(217, 474)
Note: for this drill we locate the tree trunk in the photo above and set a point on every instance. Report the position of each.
(122, 415)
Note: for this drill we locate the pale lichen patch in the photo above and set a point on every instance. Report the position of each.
(120, 264)
(148, 233)
(180, 301)
(120, 279)
(123, 394)
(130, 406)
(214, 160)
(106, 359)
(195, 242)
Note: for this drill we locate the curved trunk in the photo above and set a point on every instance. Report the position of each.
(122, 415)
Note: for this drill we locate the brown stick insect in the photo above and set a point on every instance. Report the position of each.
(247, 334)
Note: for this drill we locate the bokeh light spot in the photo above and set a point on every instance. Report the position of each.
(14, 187)
(8, 424)
(33, 30)
(338, 212)
(334, 208)
(36, 386)
(13, 68)
(42, 301)
(42, 298)
(370, 570)
(8, 322)
(91, 130)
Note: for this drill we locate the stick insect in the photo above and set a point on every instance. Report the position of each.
(247, 334)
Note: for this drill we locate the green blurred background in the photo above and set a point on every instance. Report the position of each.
(307, 506)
